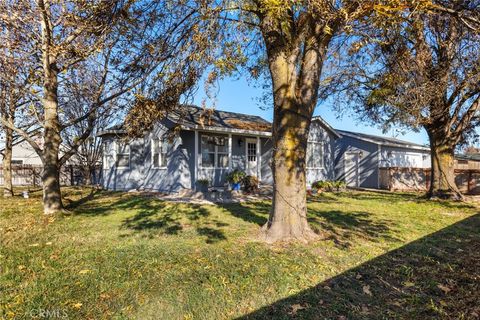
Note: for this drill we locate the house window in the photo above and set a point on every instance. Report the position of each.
(17, 162)
(159, 153)
(214, 150)
(123, 154)
(315, 155)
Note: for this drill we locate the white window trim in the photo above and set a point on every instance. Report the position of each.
(216, 153)
(322, 166)
(160, 142)
(117, 153)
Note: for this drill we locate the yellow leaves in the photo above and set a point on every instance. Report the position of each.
(77, 305)
(444, 288)
(84, 271)
(327, 29)
(408, 284)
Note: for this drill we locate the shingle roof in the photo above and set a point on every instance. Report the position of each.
(190, 116)
(383, 140)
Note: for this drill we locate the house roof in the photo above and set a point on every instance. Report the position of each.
(193, 117)
(384, 141)
(469, 156)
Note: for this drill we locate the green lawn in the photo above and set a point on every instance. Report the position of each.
(119, 255)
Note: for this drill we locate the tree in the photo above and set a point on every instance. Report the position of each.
(423, 71)
(119, 36)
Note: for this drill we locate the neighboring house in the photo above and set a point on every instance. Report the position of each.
(359, 157)
(468, 161)
(23, 154)
(193, 144)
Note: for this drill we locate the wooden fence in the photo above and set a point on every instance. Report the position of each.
(31, 175)
(418, 179)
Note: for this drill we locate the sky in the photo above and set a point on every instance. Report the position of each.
(237, 95)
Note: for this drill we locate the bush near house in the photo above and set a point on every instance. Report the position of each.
(132, 256)
(329, 185)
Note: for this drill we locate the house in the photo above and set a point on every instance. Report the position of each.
(360, 157)
(23, 154)
(192, 144)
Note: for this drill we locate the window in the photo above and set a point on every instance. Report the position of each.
(214, 151)
(159, 153)
(123, 154)
(315, 155)
(17, 162)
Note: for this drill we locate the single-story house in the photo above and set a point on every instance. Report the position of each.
(192, 144)
(360, 157)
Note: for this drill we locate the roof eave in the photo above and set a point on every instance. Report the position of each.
(227, 130)
(407, 146)
(326, 125)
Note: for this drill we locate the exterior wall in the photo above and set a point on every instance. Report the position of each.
(140, 174)
(327, 172)
(180, 170)
(368, 175)
(404, 158)
(23, 151)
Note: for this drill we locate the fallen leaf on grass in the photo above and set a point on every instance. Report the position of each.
(366, 290)
(84, 271)
(295, 309)
(409, 284)
(77, 305)
(445, 289)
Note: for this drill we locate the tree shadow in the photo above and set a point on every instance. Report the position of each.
(253, 212)
(342, 226)
(434, 277)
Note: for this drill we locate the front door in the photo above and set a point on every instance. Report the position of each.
(251, 153)
(352, 172)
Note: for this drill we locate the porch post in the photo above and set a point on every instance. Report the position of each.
(259, 160)
(230, 151)
(195, 157)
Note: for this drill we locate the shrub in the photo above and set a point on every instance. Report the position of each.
(329, 185)
(250, 184)
(235, 176)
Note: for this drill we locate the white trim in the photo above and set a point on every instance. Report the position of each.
(252, 141)
(227, 130)
(405, 146)
(215, 157)
(116, 153)
(326, 125)
(195, 170)
(323, 155)
(259, 160)
(230, 151)
(379, 150)
(160, 157)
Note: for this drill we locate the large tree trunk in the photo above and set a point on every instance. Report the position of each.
(7, 164)
(291, 123)
(52, 199)
(442, 179)
(288, 216)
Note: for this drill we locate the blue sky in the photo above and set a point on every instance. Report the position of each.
(240, 96)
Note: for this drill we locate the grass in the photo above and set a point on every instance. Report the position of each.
(118, 255)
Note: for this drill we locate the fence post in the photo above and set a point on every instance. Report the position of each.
(33, 177)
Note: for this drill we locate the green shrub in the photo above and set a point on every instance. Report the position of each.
(328, 185)
(235, 176)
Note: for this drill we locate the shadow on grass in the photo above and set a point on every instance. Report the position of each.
(342, 226)
(434, 277)
(253, 212)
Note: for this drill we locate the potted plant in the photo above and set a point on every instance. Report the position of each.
(235, 177)
(203, 184)
(250, 184)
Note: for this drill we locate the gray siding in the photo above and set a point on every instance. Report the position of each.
(180, 170)
(368, 164)
(320, 134)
